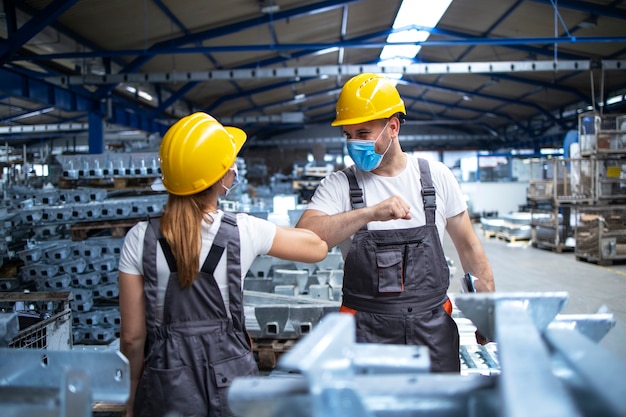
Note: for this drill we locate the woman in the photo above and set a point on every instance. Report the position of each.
(181, 296)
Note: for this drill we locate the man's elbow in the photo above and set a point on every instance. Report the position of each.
(306, 223)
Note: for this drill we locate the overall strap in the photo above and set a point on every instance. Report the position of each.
(149, 263)
(428, 191)
(356, 192)
(155, 222)
(228, 235)
(215, 253)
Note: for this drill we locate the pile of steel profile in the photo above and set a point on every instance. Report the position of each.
(70, 240)
(285, 301)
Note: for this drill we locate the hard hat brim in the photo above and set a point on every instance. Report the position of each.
(239, 137)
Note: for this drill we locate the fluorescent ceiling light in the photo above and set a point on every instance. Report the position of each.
(29, 114)
(413, 14)
(144, 95)
(326, 51)
(614, 100)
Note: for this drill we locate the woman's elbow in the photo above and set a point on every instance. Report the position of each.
(321, 252)
(315, 251)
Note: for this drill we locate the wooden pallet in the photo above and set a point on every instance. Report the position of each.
(269, 350)
(510, 238)
(558, 248)
(116, 183)
(73, 183)
(113, 228)
(594, 260)
(489, 234)
(123, 183)
(103, 407)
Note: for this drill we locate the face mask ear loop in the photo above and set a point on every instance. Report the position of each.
(388, 146)
(225, 187)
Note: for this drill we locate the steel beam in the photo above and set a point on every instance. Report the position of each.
(47, 128)
(337, 70)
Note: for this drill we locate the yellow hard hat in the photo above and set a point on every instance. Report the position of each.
(196, 152)
(367, 97)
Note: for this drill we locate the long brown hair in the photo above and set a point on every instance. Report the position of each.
(181, 227)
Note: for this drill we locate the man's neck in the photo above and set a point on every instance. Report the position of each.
(394, 166)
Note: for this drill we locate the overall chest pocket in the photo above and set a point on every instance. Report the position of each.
(391, 261)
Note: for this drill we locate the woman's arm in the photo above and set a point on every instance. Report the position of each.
(298, 245)
(132, 329)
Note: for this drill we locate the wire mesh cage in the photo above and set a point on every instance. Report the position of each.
(602, 133)
(561, 180)
(45, 319)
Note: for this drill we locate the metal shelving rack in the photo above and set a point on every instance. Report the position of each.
(601, 228)
(556, 185)
(560, 189)
(601, 234)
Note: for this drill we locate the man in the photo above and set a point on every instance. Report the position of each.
(389, 212)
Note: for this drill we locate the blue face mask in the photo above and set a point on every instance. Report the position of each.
(363, 152)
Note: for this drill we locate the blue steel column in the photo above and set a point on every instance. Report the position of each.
(96, 133)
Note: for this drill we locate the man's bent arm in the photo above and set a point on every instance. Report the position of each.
(336, 228)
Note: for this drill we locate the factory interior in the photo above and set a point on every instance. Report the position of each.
(524, 101)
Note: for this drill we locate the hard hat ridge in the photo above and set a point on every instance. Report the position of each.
(367, 97)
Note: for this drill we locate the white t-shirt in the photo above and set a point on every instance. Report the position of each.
(256, 238)
(332, 195)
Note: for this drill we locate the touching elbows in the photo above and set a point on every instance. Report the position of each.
(299, 245)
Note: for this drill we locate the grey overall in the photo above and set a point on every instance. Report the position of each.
(397, 281)
(193, 356)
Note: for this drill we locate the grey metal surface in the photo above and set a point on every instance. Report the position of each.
(9, 327)
(520, 345)
(60, 383)
(549, 365)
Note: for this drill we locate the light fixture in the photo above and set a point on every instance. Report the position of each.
(29, 114)
(590, 22)
(270, 9)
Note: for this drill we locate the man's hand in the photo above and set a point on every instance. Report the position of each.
(392, 208)
(480, 339)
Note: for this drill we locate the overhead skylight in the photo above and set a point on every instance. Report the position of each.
(412, 16)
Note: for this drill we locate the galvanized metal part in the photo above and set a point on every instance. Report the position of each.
(61, 383)
(548, 364)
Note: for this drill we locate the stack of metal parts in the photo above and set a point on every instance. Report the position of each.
(321, 280)
(89, 270)
(39, 228)
(144, 164)
(284, 301)
(510, 226)
(550, 365)
(60, 383)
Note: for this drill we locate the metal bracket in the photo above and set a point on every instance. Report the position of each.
(61, 383)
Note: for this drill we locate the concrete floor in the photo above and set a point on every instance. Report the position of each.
(519, 267)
